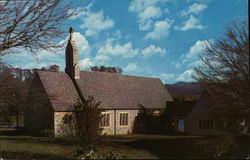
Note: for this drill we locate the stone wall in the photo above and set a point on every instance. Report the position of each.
(131, 121)
(193, 128)
(116, 128)
(109, 130)
(60, 129)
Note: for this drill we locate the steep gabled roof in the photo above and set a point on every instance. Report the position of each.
(60, 90)
(114, 91)
(123, 91)
(201, 108)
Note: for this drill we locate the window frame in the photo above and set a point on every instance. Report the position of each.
(206, 124)
(105, 120)
(126, 119)
(140, 118)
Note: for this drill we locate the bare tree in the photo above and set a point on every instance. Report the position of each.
(225, 71)
(32, 24)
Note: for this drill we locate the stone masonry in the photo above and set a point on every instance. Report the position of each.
(114, 127)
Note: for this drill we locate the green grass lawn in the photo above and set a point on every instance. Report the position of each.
(7, 129)
(22, 147)
(134, 146)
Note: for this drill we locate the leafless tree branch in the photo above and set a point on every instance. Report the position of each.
(225, 71)
(34, 24)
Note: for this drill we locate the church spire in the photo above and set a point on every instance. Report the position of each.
(72, 68)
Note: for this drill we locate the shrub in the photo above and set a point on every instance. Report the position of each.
(87, 117)
(99, 154)
(48, 132)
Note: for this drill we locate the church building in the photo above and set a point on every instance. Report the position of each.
(53, 95)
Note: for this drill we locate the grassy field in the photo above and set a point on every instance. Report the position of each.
(131, 146)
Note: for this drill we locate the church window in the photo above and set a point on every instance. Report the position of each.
(123, 119)
(139, 119)
(206, 124)
(105, 121)
(203, 124)
(200, 123)
(211, 124)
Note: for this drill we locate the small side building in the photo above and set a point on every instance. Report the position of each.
(199, 121)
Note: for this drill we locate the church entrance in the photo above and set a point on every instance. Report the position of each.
(181, 126)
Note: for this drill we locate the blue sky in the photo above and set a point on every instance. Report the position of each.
(153, 38)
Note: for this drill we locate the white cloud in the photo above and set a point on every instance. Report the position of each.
(186, 76)
(195, 9)
(196, 49)
(131, 67)
(25, 59)
(166, 77)
(102, 58)
(82, 44)
(86, 63)
(176, 64)
(44, 58)
(151, 50)
(145, 17)
(92, 22)
(114, 36)
(191, 23)
(98, 60)
(80, 41)
(140, 5)
(191, 58)
(126, 50)
(96, 22)
(161, 30)
(145, 25)
(146, 10)
(80, 11)
(195, 63)
(150, 12)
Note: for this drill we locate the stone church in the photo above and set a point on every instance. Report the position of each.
(121, 97)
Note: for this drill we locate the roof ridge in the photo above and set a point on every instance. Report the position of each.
(99, 72)
(50, 72)
(119, 74)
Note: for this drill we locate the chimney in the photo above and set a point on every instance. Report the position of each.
(72, 68)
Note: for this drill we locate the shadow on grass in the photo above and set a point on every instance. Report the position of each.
(192, 148)
(24, 147)
(29, 155)
(41, 140)
(163, 147)
(171, 148)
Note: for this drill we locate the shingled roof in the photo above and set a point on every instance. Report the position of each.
(60, 90)
(114, 91)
